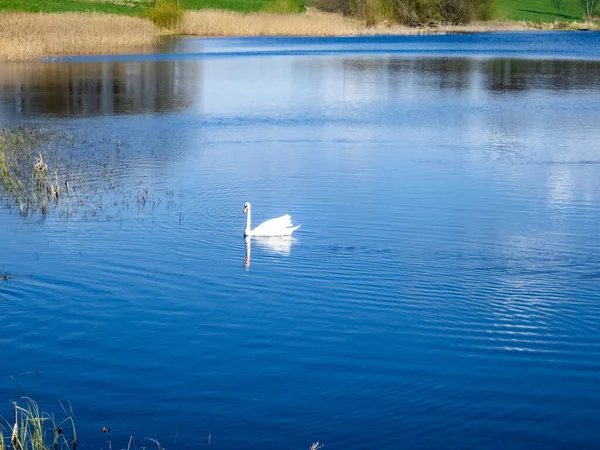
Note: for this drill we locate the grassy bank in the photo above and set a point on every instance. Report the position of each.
(28, 36)
(69, 27)
(316, 23)
(514, 10)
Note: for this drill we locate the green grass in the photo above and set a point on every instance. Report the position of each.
(529, 10)
(285, 6)
(234, 5)
(539, 10)
(128, 8)
(166, 15)
(137, 7)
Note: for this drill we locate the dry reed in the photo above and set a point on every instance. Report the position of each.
(25, 36)
(314, 23)
(473, 27)
(25, 175)
(229, 23)
(564, 25)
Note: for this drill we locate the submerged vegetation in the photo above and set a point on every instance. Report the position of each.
(30, 173)
(44, 171)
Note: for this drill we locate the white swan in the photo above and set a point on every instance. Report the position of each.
(281, 226)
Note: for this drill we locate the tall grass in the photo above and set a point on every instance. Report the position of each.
(44, 172)
(26, 36)
(29, 171)
(311, 23)
(229, 23)
(33, 429)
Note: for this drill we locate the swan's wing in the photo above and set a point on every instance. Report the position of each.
(288, 231)
(273, 226)
(279, 222)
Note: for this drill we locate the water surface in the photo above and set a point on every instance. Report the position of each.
(442, 291)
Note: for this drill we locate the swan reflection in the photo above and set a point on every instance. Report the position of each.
(277, 245)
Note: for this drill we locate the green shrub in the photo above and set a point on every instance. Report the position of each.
(337, 6)
(429, 12)
(486, 10)
(412, 12)
(373, 11)
(166, 15)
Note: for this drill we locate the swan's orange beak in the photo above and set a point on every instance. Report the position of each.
(245, 209)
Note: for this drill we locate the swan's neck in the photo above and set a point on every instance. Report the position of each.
(248, 220)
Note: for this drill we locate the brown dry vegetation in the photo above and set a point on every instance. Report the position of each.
(229, 23)
(26, 36)
(311, 23)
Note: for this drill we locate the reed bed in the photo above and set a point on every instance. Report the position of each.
(592, 25)
(473, 27)
(27, 36)
(52, 172)
(315, 23)
(229, 23)
(29, 170)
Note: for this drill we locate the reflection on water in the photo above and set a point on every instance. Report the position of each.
(107, 88)
(275, 245)
(497, 75)
(556, 75)
(90, 89)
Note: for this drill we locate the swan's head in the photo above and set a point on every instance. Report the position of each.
(246, 207)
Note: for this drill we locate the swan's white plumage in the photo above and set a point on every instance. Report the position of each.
(280, 226)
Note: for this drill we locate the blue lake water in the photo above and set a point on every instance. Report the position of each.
(442, 292)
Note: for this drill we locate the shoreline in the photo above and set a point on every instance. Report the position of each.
(43, 36)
